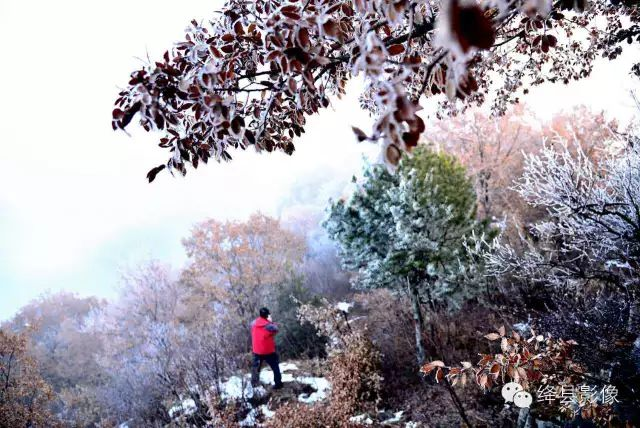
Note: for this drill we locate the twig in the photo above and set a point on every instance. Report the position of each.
(430, 68)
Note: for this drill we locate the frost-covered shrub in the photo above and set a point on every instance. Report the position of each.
(577, 275)
(593, 230)
(355, 376)
(589, 247)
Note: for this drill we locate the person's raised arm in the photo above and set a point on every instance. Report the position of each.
(272, 328)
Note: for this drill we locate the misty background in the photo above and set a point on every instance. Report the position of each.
(75, 206)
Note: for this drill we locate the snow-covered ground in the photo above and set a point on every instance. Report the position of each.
(321, 386)
(382, 418)
(239, 387)
(185, 407)
(344, 306)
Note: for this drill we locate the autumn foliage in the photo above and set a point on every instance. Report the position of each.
(253, 75)
(538, 363)
(538, 359)
(240, 263)
(24, 396)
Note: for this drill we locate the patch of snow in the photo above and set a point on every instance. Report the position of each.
(617, 264)
(259, 391)
(266, 376)
(344, 306)
(236, 387)
(188, 406)
(320, 384)
(251, 418)
(287, 366)
(266, 411)
(522, 327)
(395, 419)
(361, 419)
(240, 387)
(411, 425)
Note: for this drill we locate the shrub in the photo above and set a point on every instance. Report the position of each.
(355, 378)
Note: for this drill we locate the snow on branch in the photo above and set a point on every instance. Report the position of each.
(253, 74)
(593, 226)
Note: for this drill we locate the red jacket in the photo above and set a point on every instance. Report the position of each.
(263, 333)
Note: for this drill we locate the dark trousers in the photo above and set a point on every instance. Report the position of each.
(274, 363)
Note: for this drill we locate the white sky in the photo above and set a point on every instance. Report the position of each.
(75, 207)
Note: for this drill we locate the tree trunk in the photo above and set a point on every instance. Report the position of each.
(457, 403)
(216, 372)
(634, 311)
(418, 322)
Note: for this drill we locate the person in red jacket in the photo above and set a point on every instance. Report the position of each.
(263, 333)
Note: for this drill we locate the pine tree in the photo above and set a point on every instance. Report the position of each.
(406, 231)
